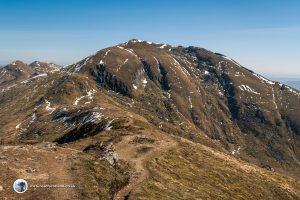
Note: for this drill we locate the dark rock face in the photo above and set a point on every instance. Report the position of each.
(179, 90)
(229, 92)
(86, 130)
(108, 80)
(164, 78)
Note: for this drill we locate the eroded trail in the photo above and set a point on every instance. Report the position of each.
(137, 150)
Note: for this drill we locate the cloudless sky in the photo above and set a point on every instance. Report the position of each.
(263, 35)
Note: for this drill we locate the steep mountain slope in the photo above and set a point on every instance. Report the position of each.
(142, 101)
(248, 114)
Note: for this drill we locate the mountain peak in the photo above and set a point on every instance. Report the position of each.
(136, 95)
(132, 41)
(43, 66)
(138, 40)
(18, 62)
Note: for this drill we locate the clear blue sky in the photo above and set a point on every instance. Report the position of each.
(263, 35)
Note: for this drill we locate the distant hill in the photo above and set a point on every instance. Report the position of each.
(19, 71)
(293, 81)
(295, 84)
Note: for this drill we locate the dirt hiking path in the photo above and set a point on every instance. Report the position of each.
(152, 144)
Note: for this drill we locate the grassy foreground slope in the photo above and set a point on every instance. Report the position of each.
(193, 171)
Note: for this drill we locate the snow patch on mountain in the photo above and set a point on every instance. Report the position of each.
(157, 64)
(140, 41)
(18, 125)
(108, 126)
(248, 88)
(131, 52)
(162, 46)
(144, 82)
(190, 101)
(48, 106)
(77, 100)
(236, 151)
(274, 99)
(125, 61)
(263, 79)
(95, 116)
(33, 116)
(135, 40)
(37, 76)
(89, 94)
(9, 87)
(119, 66)
(230, 59)
(78, 66)
(237, 74)
(181, 68)
(107, 52)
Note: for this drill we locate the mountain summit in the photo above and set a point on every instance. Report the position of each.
(18, 71)
(150, 113)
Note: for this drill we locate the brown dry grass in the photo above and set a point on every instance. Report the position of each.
(194, 171)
